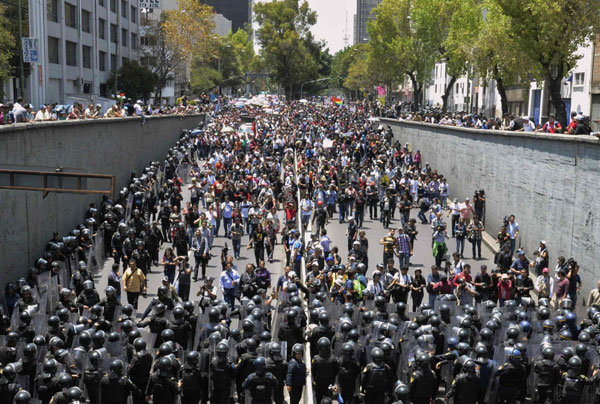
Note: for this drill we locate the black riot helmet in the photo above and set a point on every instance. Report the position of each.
(139, 344)
(116, 367)
(192, 357)
(324, 346)
(548, 353)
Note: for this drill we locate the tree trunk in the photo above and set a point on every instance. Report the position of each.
(502, 91)
(416, 91)
(554, 86)
(447, 91)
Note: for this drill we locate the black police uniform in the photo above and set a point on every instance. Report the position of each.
(139, 372)
(222, 375)
(163, 388)
(349, 373)
(324, 372)
(261, 387)
(377, 380)
(464, 389)
(191, 389)
(116, 389)
(278, 368)
(548, 375)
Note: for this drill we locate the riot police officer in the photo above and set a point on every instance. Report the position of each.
(46, 383)
(260, 383)
(377, 379)
(465, 386)
(349, 372)
(92, 377)
(139, 368)
(191, 389)
(422, 380)
(547, 376)
(245, 365)
(222, 375)
(157, 323)
(162, 387)
(114, 387)
(325, 368)
(278, 367)
(511, 378)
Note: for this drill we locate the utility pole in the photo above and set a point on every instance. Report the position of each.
(21, 69)
(117, 46)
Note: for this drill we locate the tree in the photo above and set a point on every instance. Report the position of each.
(289, 50)
(189, 30)
(397, 47)
(135, 81)
(547, 33)
(6, 50)
(204, 78)
(483, 34)
(158, 57)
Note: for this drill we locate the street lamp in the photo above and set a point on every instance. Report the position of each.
(307, 82)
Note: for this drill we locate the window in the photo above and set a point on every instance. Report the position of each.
(71, 52)
(101, 28)
(87, 57)
(103, 90)
(113, 6)
(123, 8)
(579, 79)
(133, 41)
(456, 88)
(53, 47)
(102, 61)
(85, 21)
(113, 33)
(124, 37)
(53, 10)
(113, 62)
(70, 15)
(435, 89)
(101, 3)
(133, 14)
(436, 71)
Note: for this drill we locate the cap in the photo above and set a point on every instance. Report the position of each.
(350, 217)
(467, 199)
(579, 117)
(504, 276)
(315, 263)
(455, 200)
(545, 271)
(543, 242)
(525, 117)
(521, 252)
(166, 279)
(292, 274)
(356, 243)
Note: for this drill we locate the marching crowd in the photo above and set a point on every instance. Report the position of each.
(483, 338)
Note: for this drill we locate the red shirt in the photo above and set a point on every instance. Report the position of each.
(504, 290)
(467, 278)
(551, 128)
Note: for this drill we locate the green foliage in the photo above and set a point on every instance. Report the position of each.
(289, 50)
(7, 45)
(204, 78)
(135, 81)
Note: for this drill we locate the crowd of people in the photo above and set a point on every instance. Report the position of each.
(21, 112)
(578, 124)
(365, 324)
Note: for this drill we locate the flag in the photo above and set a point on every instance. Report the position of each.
(336, 101)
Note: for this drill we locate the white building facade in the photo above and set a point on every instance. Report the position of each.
(80, 43)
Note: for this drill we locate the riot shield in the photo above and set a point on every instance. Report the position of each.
(64, 279)
(129, 208)
(99, 249)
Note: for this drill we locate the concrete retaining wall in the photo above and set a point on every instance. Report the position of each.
(107, 146)
(551, 183)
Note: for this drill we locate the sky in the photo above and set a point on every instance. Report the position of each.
(331, 22)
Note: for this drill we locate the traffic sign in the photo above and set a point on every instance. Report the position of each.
(149, 4)
(30, 50)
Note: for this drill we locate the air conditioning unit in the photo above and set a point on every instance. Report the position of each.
(78, 82)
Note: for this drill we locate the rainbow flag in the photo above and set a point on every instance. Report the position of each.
(336, 101)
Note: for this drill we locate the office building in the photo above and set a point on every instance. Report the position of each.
(238, 11)
(363, 14)
(80, 43)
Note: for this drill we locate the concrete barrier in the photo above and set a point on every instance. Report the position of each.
(549, 182)
(105, 146)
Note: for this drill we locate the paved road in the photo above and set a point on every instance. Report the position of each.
(213, 269)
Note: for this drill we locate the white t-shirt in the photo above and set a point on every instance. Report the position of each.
(138, 109)
(528, 126)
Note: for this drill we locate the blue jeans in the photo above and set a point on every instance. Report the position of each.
(229, 296)
(217, 227)
(460, 246)
(444, 201)
(513, 243)
(236, 247)
(246, 224)
(342, 208)
(227, 225)
(403, 260)
(477, 246)
(432, 299)
(422, 217)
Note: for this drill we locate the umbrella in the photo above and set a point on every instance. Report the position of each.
(227, 129)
